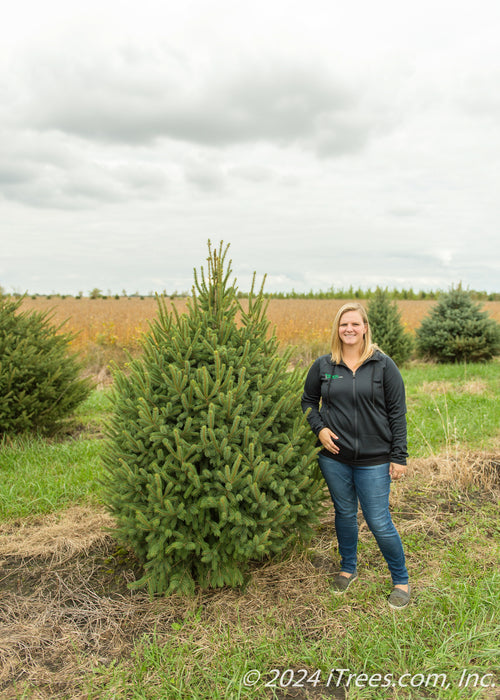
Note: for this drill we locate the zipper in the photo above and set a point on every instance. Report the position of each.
(330, 402)
(355, 404)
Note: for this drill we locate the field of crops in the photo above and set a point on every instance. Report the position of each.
(120, 322)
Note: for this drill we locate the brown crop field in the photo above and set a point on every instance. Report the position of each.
(111, 323)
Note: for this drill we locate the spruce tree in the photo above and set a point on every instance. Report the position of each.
(387, 328)
(40, 383)
(457, 330)
(209, 462)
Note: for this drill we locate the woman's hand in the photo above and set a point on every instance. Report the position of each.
(397, 470)
(327, 437)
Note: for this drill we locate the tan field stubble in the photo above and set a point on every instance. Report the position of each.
(120, 323)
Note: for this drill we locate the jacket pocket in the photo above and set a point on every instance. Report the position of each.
(375, 444)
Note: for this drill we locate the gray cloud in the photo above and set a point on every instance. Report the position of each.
(252, 173)
(127, 95)
(205, 177)
(47, 170)
(13, 174)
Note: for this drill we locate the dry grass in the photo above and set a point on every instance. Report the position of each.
(461, 470)
(65, 607)
(471, 386)
(59, 535)
(116, 323)
(108, 329)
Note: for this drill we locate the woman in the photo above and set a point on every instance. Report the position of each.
(357, 405)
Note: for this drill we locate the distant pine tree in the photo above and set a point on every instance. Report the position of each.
(40, 382)
(209, 461)
(387, 328)
(457, 330)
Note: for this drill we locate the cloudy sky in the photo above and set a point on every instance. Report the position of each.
(330, 143)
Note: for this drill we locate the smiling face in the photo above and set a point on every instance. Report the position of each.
(352, 329)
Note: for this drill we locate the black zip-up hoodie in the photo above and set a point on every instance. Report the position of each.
(365, 408)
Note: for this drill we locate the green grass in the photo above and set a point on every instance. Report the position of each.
(42, 476)
(452, 405)
(38, 478)
(95, 408)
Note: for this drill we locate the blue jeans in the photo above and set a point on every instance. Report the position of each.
(369, 485)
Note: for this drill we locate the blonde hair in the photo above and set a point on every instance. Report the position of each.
(368, 347)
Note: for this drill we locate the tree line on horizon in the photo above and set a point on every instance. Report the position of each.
(395, 294)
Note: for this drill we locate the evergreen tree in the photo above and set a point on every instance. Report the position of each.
(457, 330)
(39, 376)
(387, 329)
(209, 462)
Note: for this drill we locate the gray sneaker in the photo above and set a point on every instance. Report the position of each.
(340, 584)
(398, 598)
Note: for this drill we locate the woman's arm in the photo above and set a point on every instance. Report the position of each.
(311, 398)
(395, 403)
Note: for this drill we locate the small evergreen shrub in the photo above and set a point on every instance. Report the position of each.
(457, 330)
(387, 328)
(209, 462)
(39, 377)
